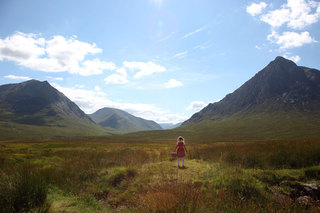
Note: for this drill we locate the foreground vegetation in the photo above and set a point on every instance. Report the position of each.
(104, 176)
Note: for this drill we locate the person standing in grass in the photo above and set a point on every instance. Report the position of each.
(181, 149)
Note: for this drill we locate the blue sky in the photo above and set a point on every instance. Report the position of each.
(158, 59)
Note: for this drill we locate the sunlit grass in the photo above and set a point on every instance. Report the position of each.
(82, 176)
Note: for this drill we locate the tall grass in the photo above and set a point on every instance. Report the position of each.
(116, 175)
(22, 190)
(172, 197)
(265, 155)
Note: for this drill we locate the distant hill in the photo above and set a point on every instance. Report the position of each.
(35, 109)
(122, 121)
(170, 125)
(281, 101)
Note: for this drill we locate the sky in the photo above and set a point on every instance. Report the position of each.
(161, 60)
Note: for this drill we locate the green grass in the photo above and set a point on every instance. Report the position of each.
(62, 201)
(258, 126)
(87, 175)
(50, 128)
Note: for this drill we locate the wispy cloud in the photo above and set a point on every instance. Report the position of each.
(194, 32)
(181, 54)
(204, 45)
(196, 106)
(14, 77)
(166, 37)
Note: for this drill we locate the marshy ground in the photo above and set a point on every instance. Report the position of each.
(103, 176)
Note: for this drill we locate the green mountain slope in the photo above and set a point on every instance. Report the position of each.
(34, 109)
(282, 101)
(122, 121)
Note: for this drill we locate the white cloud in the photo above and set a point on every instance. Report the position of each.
(181, 54)
(290, 40)
(171, 118)
(92, 100)
(120, 77)
(97, 89)
(255, 9)
(194, 32)
(293, 15)
(80, 86)
(257, 47)
(93, 67)
(196, 106)
(21, 46)
(122, 71)
(56, 78)
(115, 79)
(172, 83)
(276, 18)
(145, 69)
(297, 14)
(204, 45)
(17, 77)
(294, 58)
(58, 54)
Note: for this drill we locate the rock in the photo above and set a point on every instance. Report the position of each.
(312, 190)
(305, 189)
(304, 200)
(279, 196)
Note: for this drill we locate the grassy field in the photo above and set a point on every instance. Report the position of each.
(101, 175)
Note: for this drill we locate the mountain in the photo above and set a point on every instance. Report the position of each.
(281, 101)
(122, 121)
(170, 125)
(36, 109)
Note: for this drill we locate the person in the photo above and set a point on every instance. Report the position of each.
(180, 148)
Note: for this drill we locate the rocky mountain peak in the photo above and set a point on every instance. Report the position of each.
(281, 85)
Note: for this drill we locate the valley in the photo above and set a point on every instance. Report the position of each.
(256, 150)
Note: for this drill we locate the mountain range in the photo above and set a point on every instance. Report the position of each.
(282, 101)
(35, 109)
(122, 121)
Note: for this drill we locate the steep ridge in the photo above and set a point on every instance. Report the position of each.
(280, 101)
(36, 109)
(282, 85)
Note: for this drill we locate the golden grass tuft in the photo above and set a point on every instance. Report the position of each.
(158, 201)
